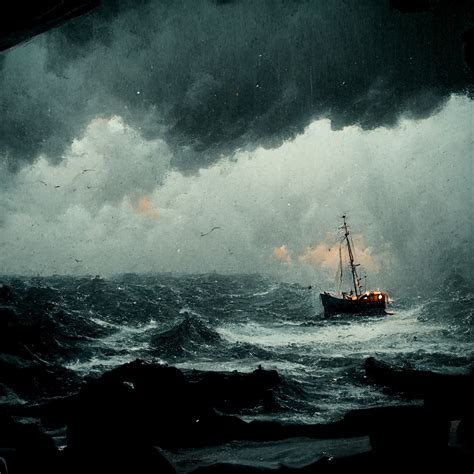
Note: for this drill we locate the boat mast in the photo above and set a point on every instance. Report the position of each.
(355, 277)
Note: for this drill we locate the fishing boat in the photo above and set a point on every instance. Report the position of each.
(358, 299)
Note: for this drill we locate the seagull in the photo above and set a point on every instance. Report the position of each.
(206, 233)
(78, 175)
(77, 260)
(57, 186)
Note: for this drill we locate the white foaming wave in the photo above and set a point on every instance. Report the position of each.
(130, 329)
(104, 324)
(97, 364)
(123, 338)
(241, 365)
(188, 310)
(267, 292)
(401, 332)
(151, 324)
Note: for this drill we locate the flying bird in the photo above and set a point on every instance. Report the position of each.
(206, 233)
(78, 175)
(77, 260)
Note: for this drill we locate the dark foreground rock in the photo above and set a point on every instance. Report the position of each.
(447, 396)
(36, 379)
(161, 405)
(145, 459)
(403, 439)
(119, 421)
(453, 392)
(234, 391)
(25, 448)
(130, 410)
(372, 462)
(27, 331)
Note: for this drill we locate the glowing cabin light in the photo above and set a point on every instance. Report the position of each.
(380, 297)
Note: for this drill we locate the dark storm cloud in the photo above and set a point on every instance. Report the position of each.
(215, 76)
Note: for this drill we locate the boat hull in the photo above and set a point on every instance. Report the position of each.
(338, 305)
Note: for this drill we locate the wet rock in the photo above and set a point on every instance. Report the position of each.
(465, 434)
(232, 392)
(139, 405)
(402, 427)
(116, 460)
(26, 448)
(450, 392)
(160, 405)
(53, 413)
(6, 294)
(393, 461)
(3, 465)
(372, 462)
(228, 468)
(116, 419)
(421, 433)
(34, 379)
(29, 334)
(164, 407)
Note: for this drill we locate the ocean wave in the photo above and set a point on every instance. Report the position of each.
(232, 322)
(187, 337)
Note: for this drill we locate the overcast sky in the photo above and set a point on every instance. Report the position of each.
(129, 132)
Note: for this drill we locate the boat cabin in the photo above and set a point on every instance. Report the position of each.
(367, 297)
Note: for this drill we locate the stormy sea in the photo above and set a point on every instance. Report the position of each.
(59, 333)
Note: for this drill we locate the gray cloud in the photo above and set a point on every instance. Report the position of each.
(214, 77)
(406, 190)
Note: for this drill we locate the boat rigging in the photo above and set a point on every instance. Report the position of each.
(358, 299)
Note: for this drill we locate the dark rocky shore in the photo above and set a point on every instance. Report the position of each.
(122, 420)
(143, 417)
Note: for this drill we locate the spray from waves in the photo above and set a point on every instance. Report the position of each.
(238, 322)
(123, 345)
(407, 335)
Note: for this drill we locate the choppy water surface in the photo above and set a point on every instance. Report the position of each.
(213, 322)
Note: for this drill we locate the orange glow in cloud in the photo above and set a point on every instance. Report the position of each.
(326, 255)
(145, 207)
(320, 255)
(282, 254)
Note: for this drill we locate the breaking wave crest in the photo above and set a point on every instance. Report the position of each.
(57, 330)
